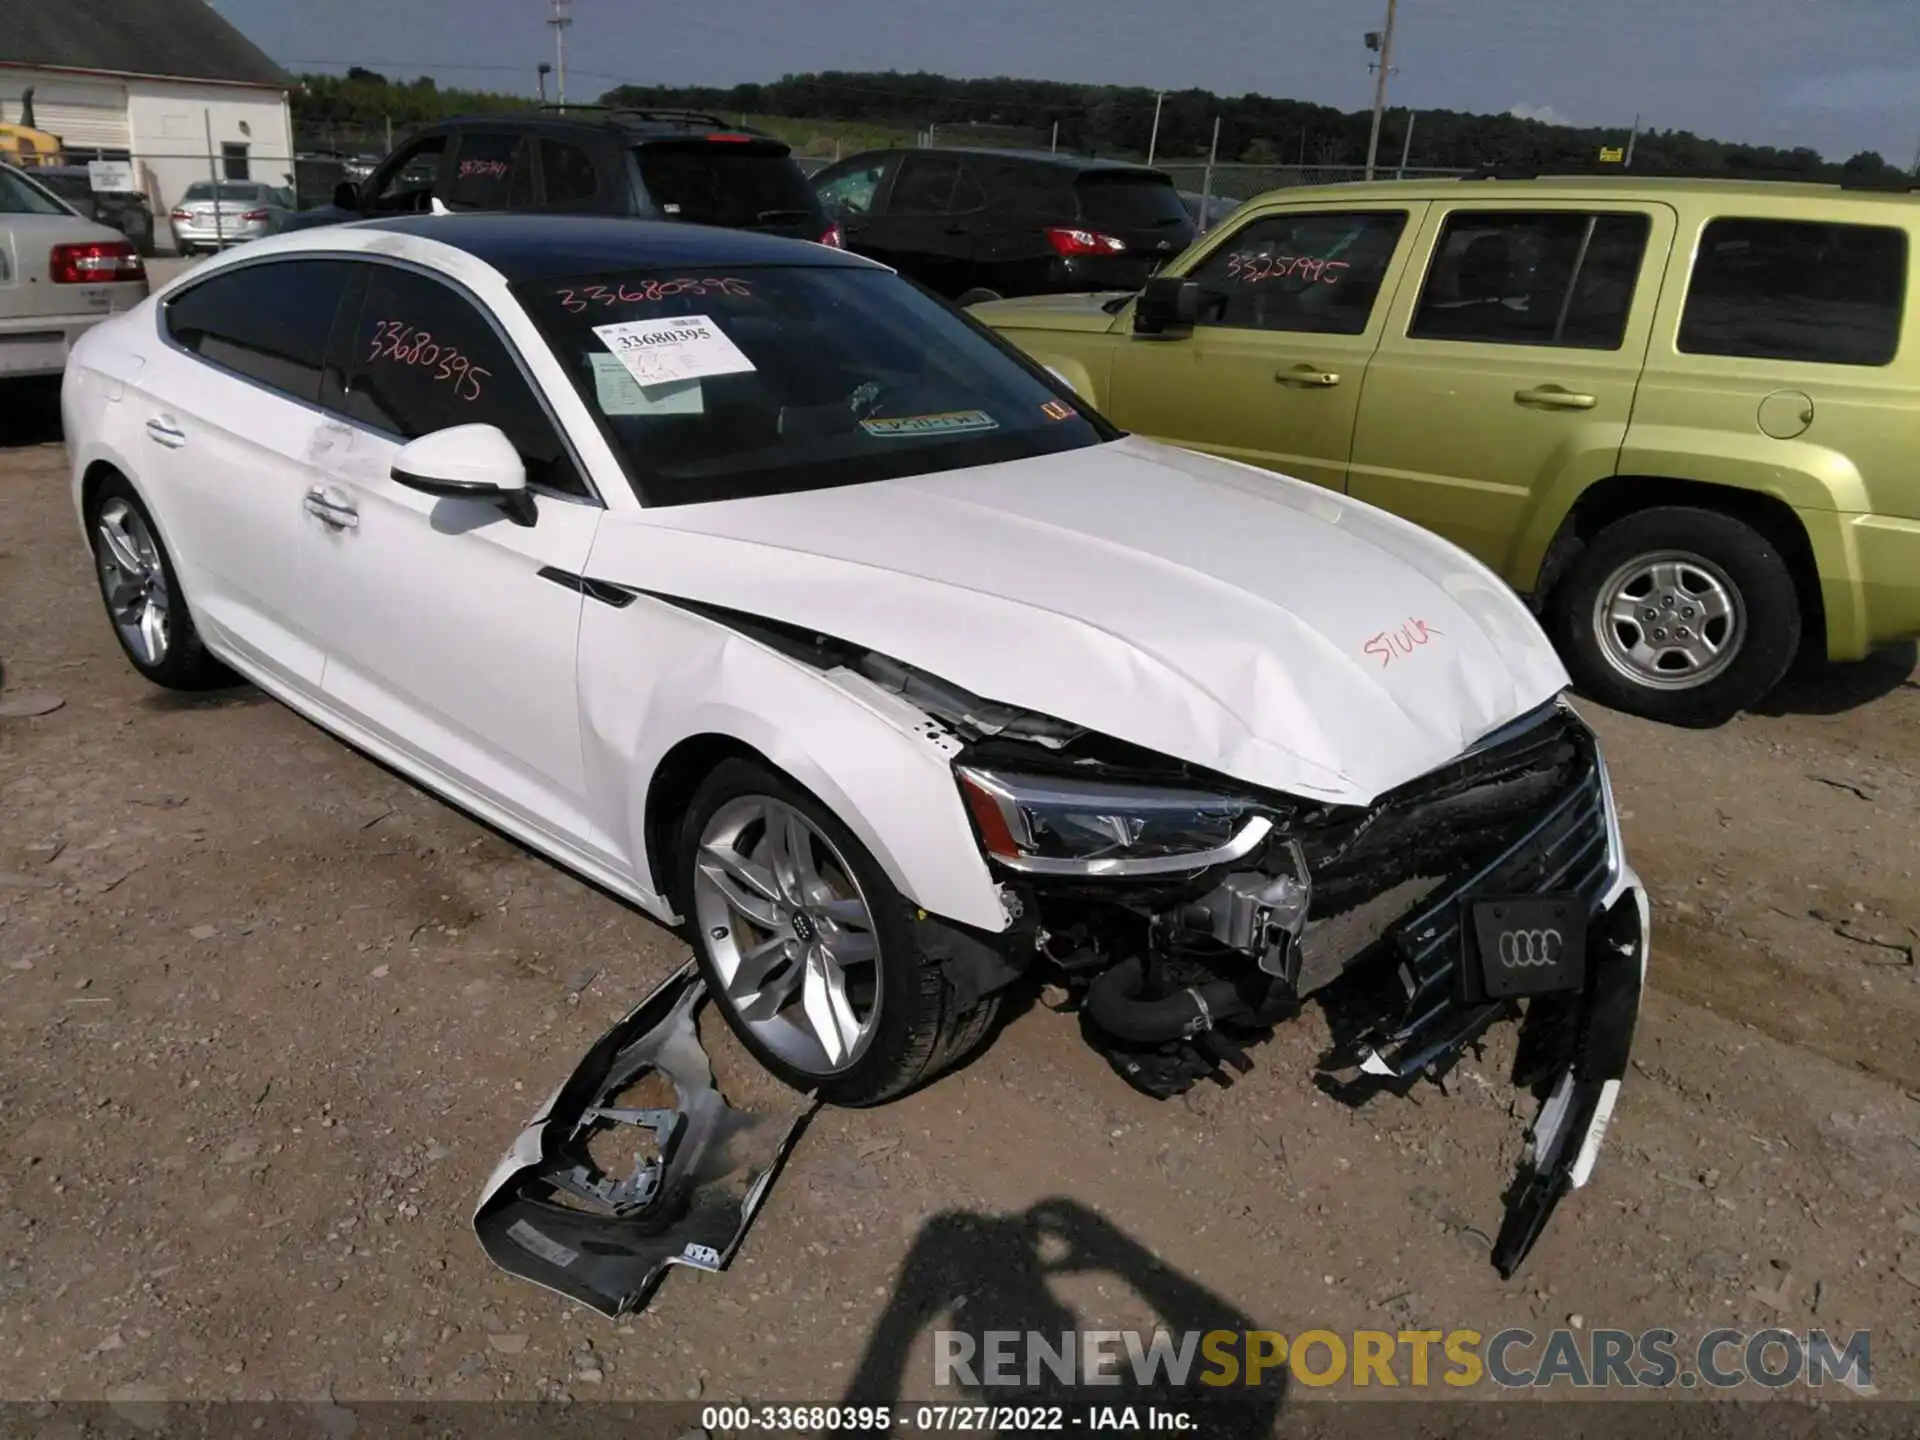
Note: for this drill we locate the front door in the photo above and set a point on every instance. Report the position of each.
(929, 223)
(442, 634)
(1507, 375)
(1291, 310)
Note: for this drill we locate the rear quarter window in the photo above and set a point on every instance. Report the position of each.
(1796, 290)
(268, 323)
(731, 183)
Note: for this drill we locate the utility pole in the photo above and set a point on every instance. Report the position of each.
(1054, 147)
(1206, 185)
(540, 73)
(560, 20)
(1626, 162)
(1153, 141)
(1381, 40)
(1406, 148)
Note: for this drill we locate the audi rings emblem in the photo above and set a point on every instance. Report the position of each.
(1530, 949)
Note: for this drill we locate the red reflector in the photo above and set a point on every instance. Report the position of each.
(102, 263)
(987, 815)
(834, 238)
(1070, 241)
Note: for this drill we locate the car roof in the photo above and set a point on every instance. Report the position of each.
(1523, 189)
(623, 122)
(1064, 161)
(538, 247)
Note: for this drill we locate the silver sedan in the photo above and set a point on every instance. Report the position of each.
(240, 210)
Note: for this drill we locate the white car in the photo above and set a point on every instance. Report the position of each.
(744, 578)
(60, 275)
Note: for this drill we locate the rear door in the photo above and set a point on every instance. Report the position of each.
(1507, 374)
(1293, 305)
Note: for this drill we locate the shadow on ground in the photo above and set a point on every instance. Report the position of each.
(29, 412)
(1834, 689)
(972, 1274)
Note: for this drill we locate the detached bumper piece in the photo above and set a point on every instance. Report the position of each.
(553, 1215)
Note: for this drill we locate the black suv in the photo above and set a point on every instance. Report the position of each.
(979, 224)
(655, 164)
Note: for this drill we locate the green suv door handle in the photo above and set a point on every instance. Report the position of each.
(1552, 397)
(1307, 375)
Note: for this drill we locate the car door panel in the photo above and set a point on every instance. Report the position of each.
(1257, 385)
(442, 634)
(231, 432)
(1468, 435)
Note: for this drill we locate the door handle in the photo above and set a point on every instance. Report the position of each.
(1552, 397)
(331, 508)
(165, 432)
(1309, 376)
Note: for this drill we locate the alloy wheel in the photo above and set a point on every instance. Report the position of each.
(789, 934)
(1669, 620)
(134, 581)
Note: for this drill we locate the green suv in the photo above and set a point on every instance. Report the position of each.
(1677, 414)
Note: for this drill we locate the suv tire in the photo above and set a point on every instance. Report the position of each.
(1678, 614)
(764, 930)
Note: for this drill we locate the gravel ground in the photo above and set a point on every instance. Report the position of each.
(268, 1016)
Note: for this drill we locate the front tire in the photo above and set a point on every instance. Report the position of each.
(141, 590)
(807, 947)
(1680, 615)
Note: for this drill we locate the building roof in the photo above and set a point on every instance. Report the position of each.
(170, 39)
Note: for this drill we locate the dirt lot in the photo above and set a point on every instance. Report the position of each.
(268, 1016)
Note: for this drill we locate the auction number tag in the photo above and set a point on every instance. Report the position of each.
(662, 352)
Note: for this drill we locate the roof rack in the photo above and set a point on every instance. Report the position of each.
(663, 114)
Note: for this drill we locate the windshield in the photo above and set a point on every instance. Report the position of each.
(770, 380)
(20, 196)
(204, 191)
(1122, 201)
(736, 183)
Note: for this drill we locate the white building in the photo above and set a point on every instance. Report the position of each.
(166, 84)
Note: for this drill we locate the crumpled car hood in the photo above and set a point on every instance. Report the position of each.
(1216, 613)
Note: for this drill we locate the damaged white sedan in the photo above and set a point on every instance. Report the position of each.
(746, 579)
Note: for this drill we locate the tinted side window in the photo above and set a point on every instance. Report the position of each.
(925, 185)
(1544, 277)
(408, 187)
(424, 359)
(1318, 272)
(967, 194)
(1796, 290)
(267, 322)
(1015, 188)
(851, 192)
(485, 172)
(568, 172)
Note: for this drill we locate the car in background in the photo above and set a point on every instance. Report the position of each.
(749, 579)
(976, 225)
(126, 211)
(60, 275)
(1208, 210)
(212, 215)
(682, 165)
(1679, 415)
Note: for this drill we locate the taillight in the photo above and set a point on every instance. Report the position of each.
(1070, 242)
(733, 139)
(834, 237)
(254, 215)
(182, 215)
(99, 263)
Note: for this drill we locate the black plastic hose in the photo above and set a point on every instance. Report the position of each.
(1114, 1004)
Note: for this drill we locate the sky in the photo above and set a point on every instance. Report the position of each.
(1839, 75)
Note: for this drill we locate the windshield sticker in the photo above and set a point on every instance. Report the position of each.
(660, 352)
(1058, 410)
(579, 299)
(953, 422)
(618, 393)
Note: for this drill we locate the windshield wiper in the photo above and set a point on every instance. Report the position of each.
(1118, 302)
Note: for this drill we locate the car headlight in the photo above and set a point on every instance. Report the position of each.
(1047, 825)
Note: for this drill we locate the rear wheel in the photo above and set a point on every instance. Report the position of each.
(1679, 614)
(807, 946)
(141, 591)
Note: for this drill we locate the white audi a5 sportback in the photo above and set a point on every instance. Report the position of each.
(750, 581)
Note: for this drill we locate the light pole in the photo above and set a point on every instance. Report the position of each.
(560, 21)
(1153, 140)
(540, 72)
(1381, 40)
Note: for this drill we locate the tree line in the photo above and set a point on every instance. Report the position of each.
(1118, 121)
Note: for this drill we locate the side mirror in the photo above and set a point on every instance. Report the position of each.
(468, 462)
(1167, 306)
(346, 196)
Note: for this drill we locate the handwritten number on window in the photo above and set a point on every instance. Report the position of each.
(579, 300)
(402, 344)
(1250, 268)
